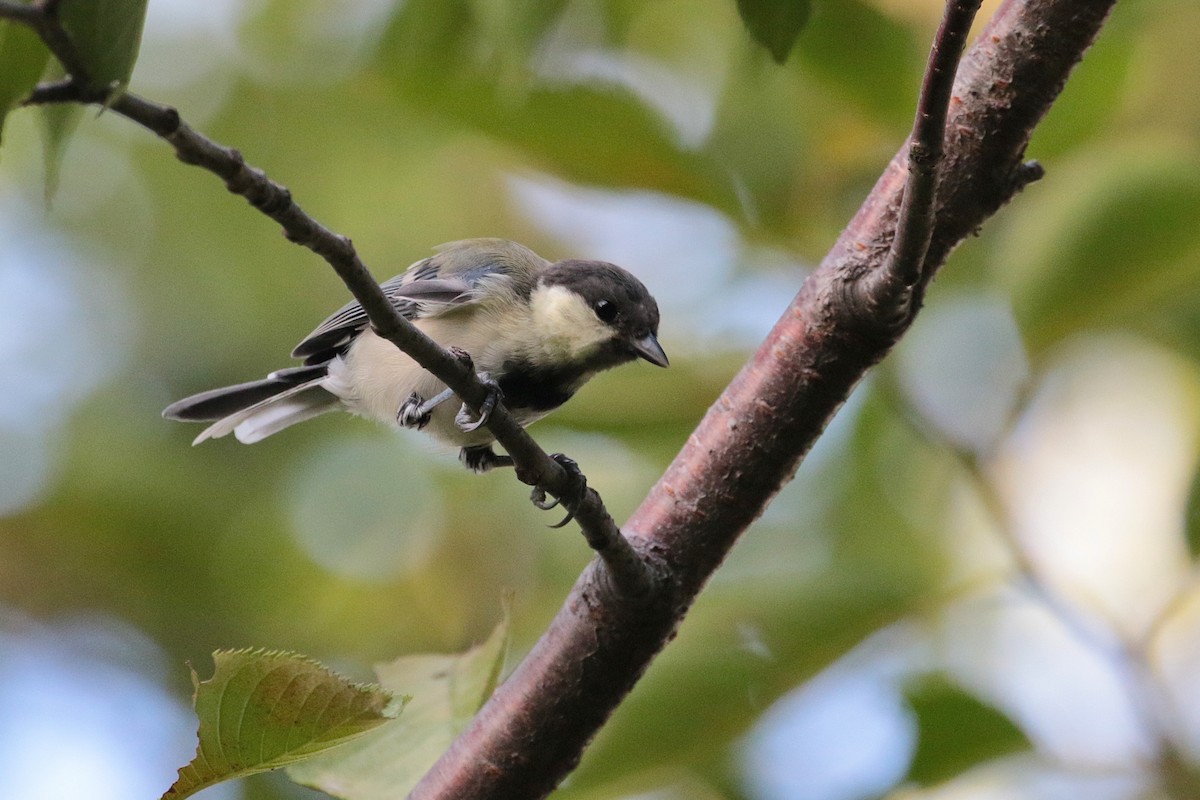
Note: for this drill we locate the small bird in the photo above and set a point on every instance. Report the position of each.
(535, 331)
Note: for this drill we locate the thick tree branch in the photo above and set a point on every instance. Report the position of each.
(633, 575)
(533, 730)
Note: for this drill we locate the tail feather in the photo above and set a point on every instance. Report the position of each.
(218, 404)
(292, 405)
(253, 411)
(276, 416)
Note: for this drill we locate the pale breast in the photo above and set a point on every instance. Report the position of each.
(374, 378)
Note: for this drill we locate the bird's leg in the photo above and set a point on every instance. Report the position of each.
(481, 458)
(416, 410)
(577, 491)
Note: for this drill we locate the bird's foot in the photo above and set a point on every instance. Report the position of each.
(411, 414)
(416, 411)
(574, 496)
(465, 418)
(482, 458)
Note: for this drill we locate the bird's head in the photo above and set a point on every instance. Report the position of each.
(596, 313)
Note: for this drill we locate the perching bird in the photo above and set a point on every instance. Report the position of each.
(536, 331)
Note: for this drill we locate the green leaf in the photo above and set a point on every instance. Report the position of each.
(107, 35)
(1192, 518)
(59, 122)
(957, 731)
(471, 70)
(262, 710)
(23, 58)
(775, 24)
(446, 692)
(1109, 238)
(866, 57)
(1098, 91)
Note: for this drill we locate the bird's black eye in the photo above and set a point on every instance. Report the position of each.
(606, 310)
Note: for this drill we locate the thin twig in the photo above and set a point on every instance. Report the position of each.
(629, 571)
(914, 223)
(42, 16)
(532, 731)
(25, 13)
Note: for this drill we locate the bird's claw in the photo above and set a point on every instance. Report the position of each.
(540, 499)
(412, 413)
(465, 418)
(574, 497)
(483, 458)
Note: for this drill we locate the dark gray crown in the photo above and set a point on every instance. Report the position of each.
(633, 310)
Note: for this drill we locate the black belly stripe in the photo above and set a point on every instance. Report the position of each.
(538, 388)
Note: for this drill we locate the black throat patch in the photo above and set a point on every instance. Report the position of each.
(526, 386)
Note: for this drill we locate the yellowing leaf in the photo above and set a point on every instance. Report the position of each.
(262, 710)
(446, 692)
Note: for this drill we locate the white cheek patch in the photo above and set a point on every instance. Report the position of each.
(564, 323)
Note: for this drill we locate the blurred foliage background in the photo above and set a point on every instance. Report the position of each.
(980, 583)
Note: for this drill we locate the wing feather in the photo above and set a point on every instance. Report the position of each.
(459, 274)
(415, 299)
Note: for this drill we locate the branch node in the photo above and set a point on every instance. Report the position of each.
(639, 574)
(187, 156)
(276, 198)
(463, 357)
(169, 121)
(891, 286)
(922, 156)
(1029, 172)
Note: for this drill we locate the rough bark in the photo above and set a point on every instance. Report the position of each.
(534, 729)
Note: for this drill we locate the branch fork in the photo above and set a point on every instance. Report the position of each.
(895, 284)
(934, 193)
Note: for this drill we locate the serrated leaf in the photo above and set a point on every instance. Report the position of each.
(446, 692)
(775, 24)
(23, 58)
(263, 710)
(956, 731)
(107, 35)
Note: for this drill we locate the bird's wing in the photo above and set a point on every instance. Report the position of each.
(412, 298)
(452, 278)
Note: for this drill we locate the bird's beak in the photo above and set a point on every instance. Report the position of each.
(648, 348)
